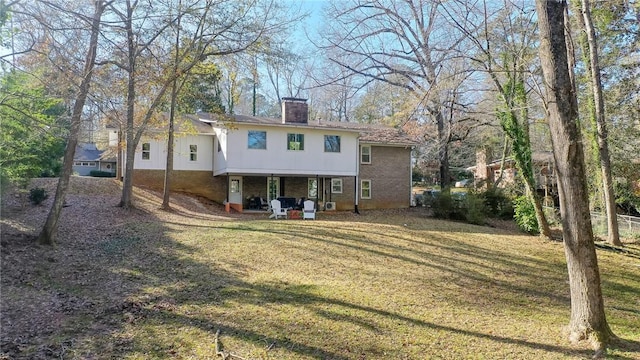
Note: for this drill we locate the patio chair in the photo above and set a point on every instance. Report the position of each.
(277, 210)
(309, 211)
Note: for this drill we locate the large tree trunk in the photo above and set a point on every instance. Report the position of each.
(601, 128)
(588, 319)
(49, 231)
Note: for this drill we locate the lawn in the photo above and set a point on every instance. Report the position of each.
(383, 284)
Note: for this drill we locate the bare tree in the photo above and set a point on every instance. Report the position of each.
(588, 319)
(49, 231)
(504, 55)
(212, 32)
(386, 41)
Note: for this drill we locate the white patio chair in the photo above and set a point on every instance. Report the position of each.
(277, 210)
(309, 211)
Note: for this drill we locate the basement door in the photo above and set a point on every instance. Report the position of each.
(235, 189)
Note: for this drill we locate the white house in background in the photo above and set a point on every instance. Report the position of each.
(246, 161)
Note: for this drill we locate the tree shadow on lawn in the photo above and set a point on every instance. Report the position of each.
(167, 266)
(460, 260)
(139, 276)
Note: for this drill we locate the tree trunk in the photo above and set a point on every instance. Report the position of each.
(588, 319)
(49, 231)
(443, 152)
(543, 224)
(127, 186)
(168, 172)
(169, 169)
(601, 126)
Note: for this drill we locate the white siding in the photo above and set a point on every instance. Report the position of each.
(220, 157)
(276, 159)
(181, 154)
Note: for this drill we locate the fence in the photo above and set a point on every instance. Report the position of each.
(629, 226)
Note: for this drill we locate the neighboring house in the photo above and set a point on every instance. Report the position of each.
(238, 159)
(543, 167)
(88, 158)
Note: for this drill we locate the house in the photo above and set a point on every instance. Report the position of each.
(246, 161)
(88, 158)
(543, 168)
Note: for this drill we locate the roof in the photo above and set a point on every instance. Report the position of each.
(537, 157)
(87, 152)
(369, 133)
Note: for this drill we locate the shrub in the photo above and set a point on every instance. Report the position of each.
(98, 173)
(525, 215)
(443, 206)
(462, 206)
(37, 195)
(474, 209)
(497, 203)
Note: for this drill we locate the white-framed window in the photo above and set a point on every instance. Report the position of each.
(257, 140)
(336, 186)
(365, 154)
(365, 189)
(193, 152)
(332, 143)
(312, 188)
(295, 141)
(84, 163)
(146, 151)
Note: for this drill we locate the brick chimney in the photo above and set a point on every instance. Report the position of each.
(482, 171)
(294, 111)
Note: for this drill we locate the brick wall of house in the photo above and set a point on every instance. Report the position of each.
(390, 175)
(345, 200)
(200, 183)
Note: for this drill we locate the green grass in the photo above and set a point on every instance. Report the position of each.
(375, 286)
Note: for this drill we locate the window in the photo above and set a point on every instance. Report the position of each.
(146, 151)
(365, 189)
(336, 186)
(235, 186)
(312, 186)
(332, 143)
(193, 152)
(295, 141)
(365, 154)
(257, 139)
(84, 163)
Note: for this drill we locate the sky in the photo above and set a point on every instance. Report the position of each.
(312, 23)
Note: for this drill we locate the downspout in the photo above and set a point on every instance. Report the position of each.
(357, 177)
